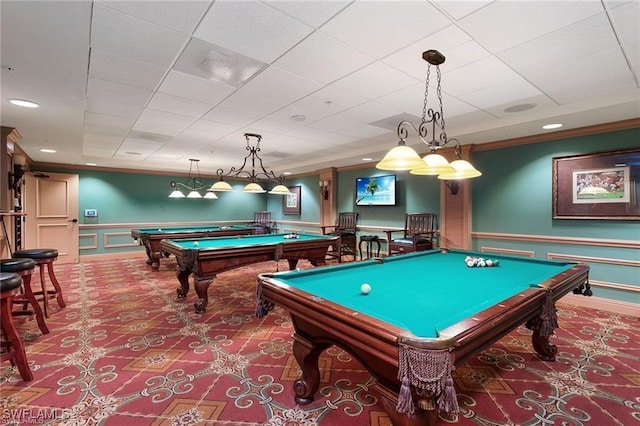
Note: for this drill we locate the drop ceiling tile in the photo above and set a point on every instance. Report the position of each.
(166, 131)
(331, 100)
(246, 101)
(231, 116)
(596, 76)
(167, 118)
(459, 9)
(345, 125)
(210, 129)
(194, 88)
(625, 22)
(506, 91)
(368, 112)
(180, 16)
(123, 35)
(107, 122)
(178, 105)
(387, 80)
(118, 69)
(382, 28)
(322, 58)
(282, 85)
(296, 109)
(319, 135)
(98, 152)
(251, 28)
(486, 72)
(269, 124)
(115, 99)
(313, 13)
(409, 99)
(102, 139)
(512, 24)
(565, 45)
(188, 142)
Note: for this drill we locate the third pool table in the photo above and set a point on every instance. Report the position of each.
(425, 312)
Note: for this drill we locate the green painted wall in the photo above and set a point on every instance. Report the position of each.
(414, 194)
(140, 198)
(514, 196)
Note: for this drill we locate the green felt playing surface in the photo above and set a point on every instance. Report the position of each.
(178, 230)
(423, 292)
(242, 241)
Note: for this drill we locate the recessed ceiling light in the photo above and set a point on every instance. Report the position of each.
(90, 164)
(552, 126)
(24, 103)
(287, 173)
(367, 159)
(48, 151)
(298, 117)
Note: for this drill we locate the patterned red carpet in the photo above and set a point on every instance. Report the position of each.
(125, 351)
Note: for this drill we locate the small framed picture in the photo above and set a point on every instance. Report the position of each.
(291, 202)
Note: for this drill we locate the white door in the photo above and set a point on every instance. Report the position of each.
(51, 205)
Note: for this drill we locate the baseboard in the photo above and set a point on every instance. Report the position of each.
(615, 306)
(113, 256)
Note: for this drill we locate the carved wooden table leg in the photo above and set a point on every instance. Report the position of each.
(307, 354)
(201, 285)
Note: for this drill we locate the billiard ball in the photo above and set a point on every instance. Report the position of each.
(489, 262)
(195, 243)
(159, 229)
(365, 288)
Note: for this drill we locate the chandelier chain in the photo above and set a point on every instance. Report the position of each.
(426, 94)
(439, 91)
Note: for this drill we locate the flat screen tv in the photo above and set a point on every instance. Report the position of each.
(376, 191)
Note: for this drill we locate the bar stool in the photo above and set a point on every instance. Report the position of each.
(44, 257)
(13, 346)
(369, 240)
(24, 268)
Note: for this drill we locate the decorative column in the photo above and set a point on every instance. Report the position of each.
(328, 191)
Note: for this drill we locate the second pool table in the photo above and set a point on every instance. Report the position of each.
(151, 237)
(205, 257)
(425, 312)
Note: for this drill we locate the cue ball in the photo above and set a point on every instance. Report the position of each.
(195, 243)
(365, 288)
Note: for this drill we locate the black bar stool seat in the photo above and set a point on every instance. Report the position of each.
(45, 257)
(24, 268)
(13, 347)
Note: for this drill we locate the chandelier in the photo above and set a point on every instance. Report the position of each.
(253, 176)
(193, 184)
(431, 131)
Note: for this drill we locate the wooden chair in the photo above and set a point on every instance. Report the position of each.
(418, 234)
(262, 222)
(346, 229)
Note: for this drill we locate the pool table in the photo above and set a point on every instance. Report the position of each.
(151, 237)
(205, 257)
(425, 312)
